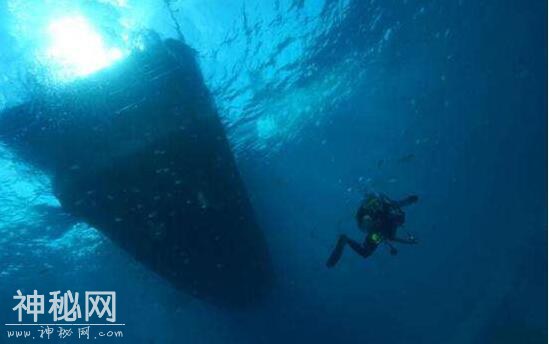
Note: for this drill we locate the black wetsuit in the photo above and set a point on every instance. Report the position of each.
(380, 217)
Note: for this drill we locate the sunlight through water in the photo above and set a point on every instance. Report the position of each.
(77, 49)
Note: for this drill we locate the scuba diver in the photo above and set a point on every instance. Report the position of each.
(379, 217)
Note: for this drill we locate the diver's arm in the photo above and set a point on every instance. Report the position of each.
(407, 201)
(410, 241)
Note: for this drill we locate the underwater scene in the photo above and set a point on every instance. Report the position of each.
(273, 171)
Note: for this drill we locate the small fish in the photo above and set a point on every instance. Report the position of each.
(407, 158)
(202, 200)
(380, 163)
(279, 181)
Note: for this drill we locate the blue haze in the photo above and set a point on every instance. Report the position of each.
(322, 101)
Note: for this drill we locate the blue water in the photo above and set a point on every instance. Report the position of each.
(322, 100)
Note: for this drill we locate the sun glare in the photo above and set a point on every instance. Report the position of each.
(77, 48)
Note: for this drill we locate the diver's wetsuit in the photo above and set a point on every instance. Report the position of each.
(365, 249)
(380, 217)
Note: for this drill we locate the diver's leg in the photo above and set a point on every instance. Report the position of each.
(337, 252)
(365, 250)
(407, 201)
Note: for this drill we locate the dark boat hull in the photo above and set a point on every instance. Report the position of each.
(138, 151)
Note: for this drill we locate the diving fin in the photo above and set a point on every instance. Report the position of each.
(337, 252)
